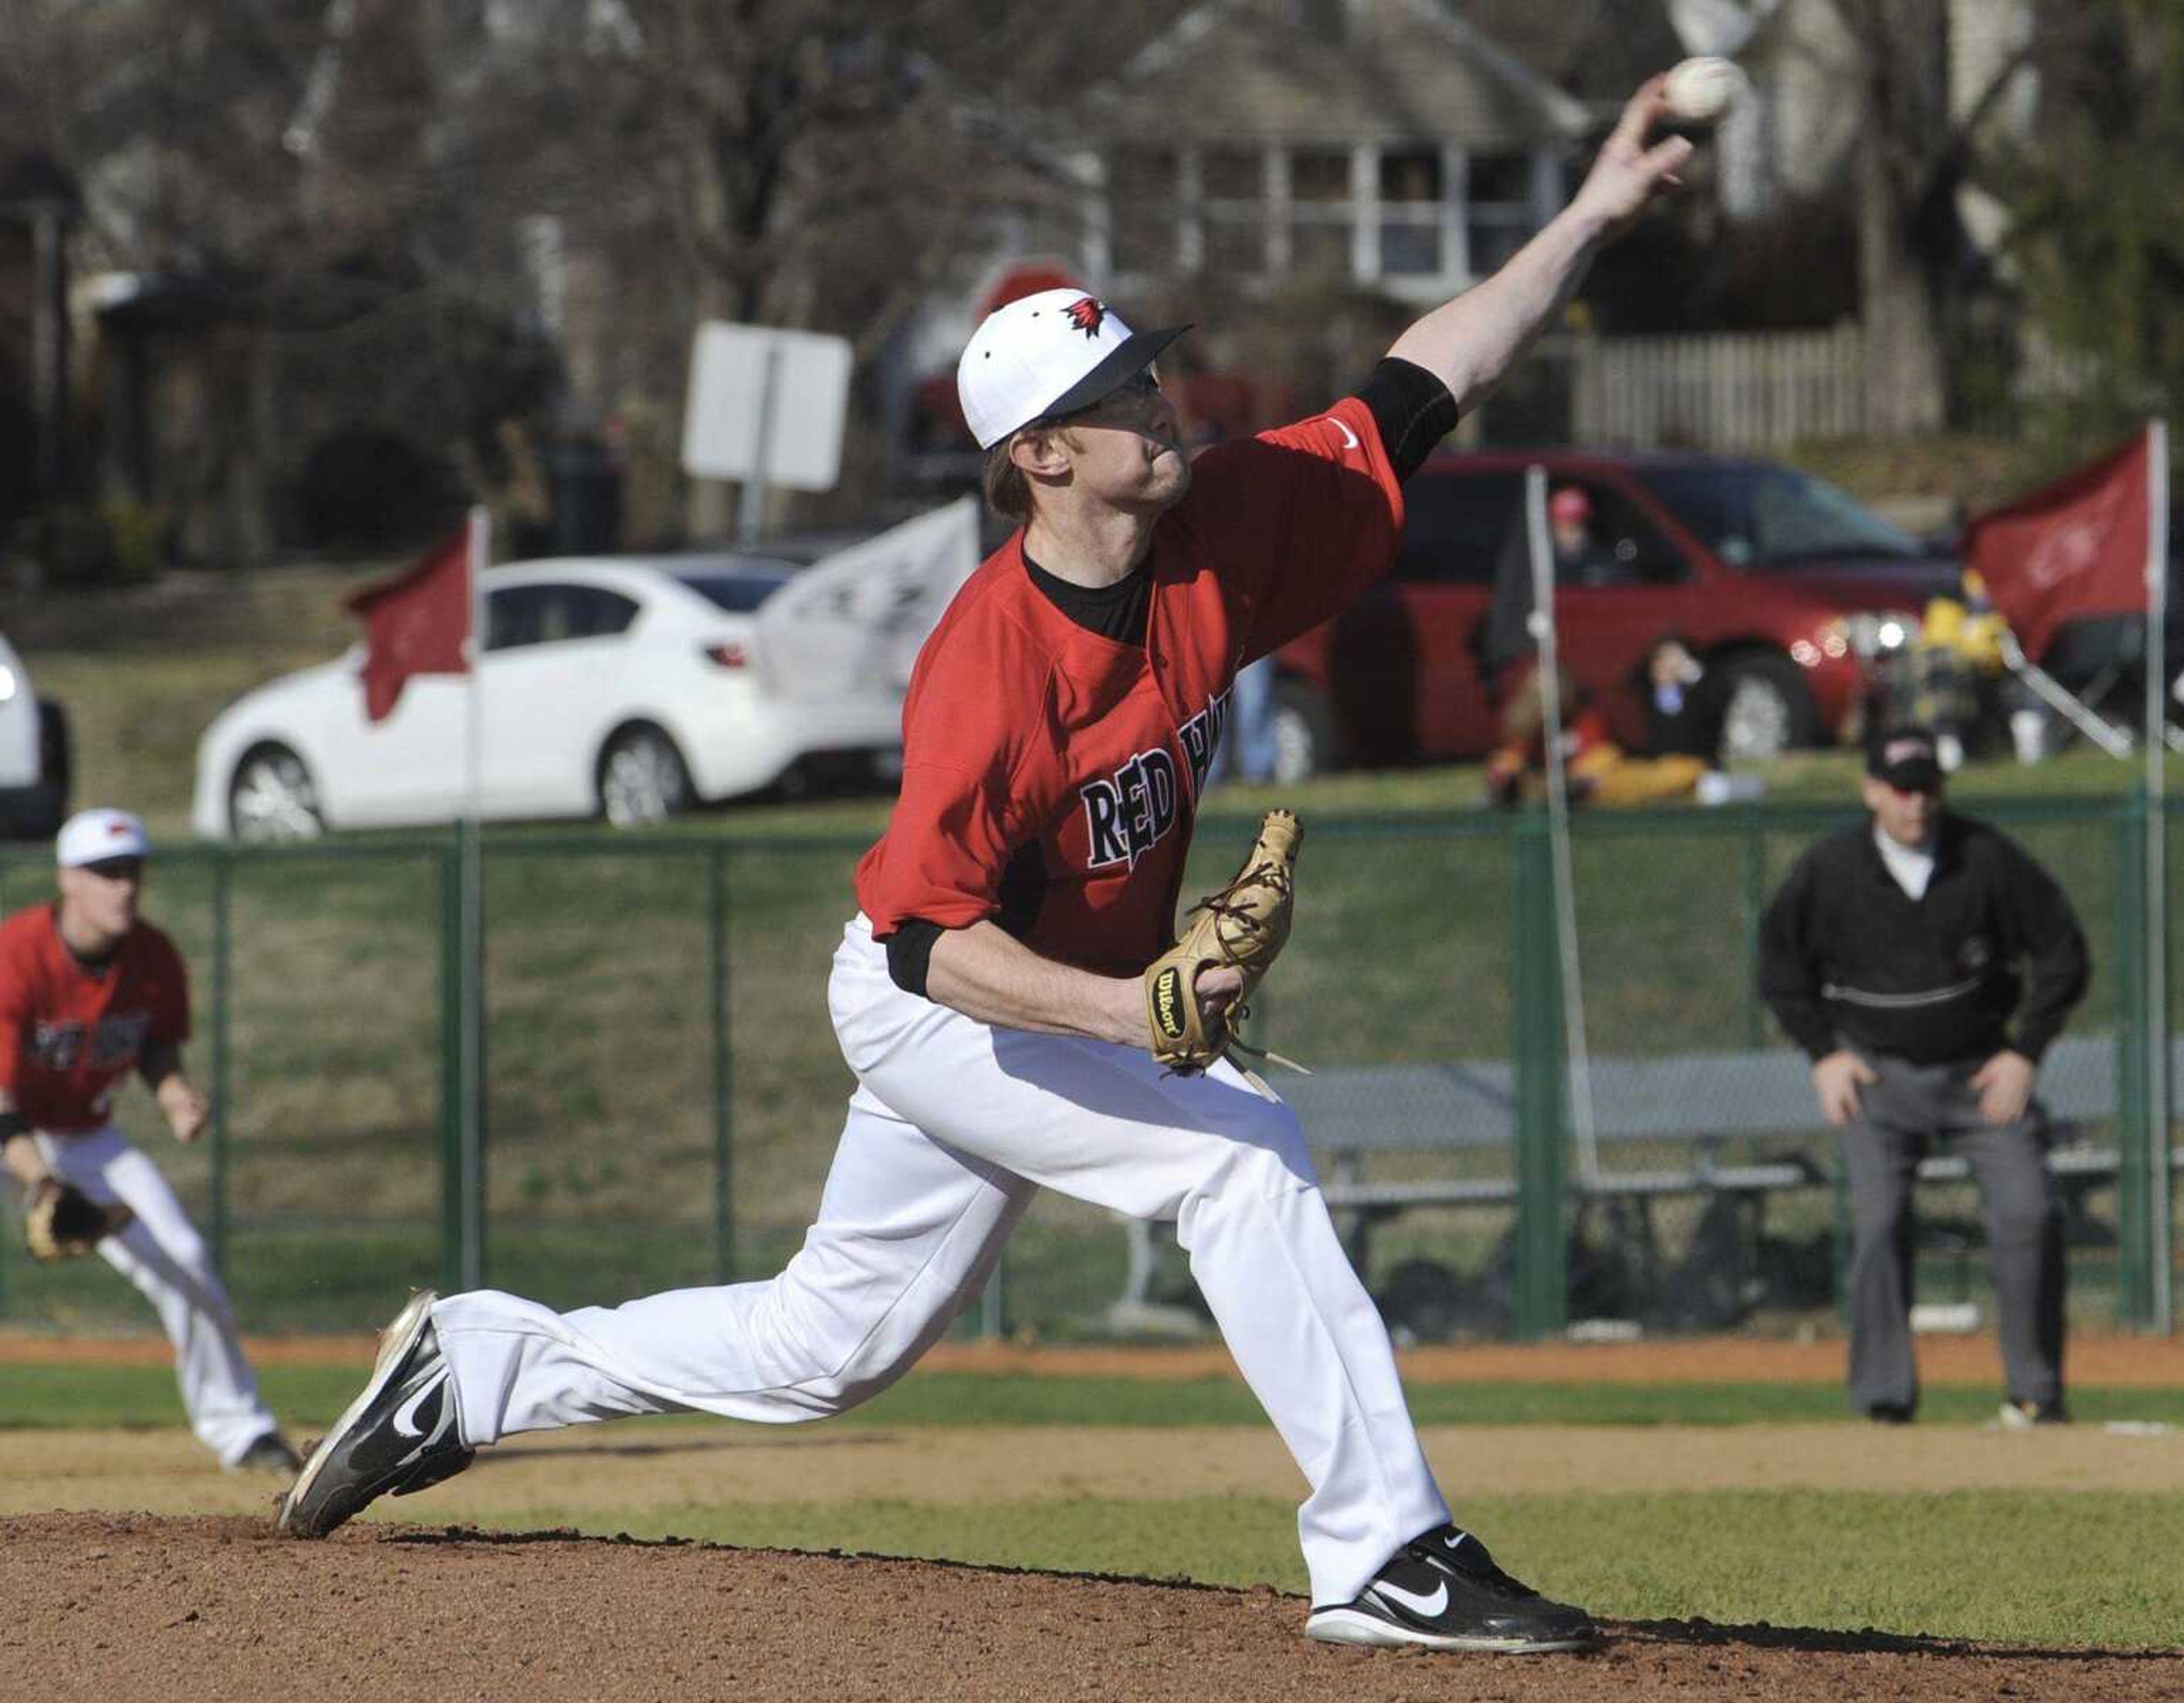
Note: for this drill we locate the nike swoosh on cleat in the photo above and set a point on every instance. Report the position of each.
(1426, 1606)
(406, 1415)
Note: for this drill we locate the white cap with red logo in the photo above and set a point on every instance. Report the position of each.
(93, 837)
(1046, 355)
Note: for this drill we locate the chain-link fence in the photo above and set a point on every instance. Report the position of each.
(662, 1087)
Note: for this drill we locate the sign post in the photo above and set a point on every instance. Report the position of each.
(765, 408)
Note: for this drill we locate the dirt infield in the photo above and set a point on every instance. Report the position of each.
(105, 1606)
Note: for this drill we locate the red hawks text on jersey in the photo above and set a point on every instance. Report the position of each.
(1052, 775)
(66, 1035)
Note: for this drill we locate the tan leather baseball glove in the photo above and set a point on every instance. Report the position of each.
(62, 1222)
(1245, 924)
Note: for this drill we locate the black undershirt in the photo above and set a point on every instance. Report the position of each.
(1413, 410)
(1117, 612)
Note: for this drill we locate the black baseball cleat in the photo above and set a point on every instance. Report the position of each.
(269, 1453)
(1443, 1591)
(397, 1437)
(2023, 1416)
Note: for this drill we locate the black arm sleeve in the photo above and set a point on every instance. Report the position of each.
(157, 1060)
(2053, 947)
(1413, 409)
(910, 954)
(1787, 978)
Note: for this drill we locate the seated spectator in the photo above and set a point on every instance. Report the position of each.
(1597, 769)
(1685, 707)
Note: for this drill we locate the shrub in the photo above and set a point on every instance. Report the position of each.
(117, 542)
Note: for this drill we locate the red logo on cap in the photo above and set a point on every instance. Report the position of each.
(1086, 313)
(117, 830)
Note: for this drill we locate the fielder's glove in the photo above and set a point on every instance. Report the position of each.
(63, 1222)
(1245, 924)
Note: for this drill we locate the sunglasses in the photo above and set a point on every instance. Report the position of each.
(1132, 391)
(115, 868)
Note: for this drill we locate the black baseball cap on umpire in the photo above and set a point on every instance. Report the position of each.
(1047, 355)
(1907, 758)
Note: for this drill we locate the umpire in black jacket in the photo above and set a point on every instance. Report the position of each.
(1897, 954)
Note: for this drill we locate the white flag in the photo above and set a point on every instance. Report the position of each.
(850, 625)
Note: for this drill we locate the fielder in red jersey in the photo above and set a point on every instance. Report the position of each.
(1058, 731)
(90, 992)
(68, 1033)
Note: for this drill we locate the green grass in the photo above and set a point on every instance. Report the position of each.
(76, 1396)
(2040, 1569)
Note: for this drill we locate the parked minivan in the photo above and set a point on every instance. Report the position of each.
(1780, 580)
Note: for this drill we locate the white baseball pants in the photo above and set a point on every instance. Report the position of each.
(953, 1126)
(161, 1253)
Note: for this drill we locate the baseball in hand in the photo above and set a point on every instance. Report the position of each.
(1702, 91)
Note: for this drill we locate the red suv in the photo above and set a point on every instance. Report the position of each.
(1779, 580)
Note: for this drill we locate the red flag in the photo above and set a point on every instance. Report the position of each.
(415, 623)
(2075, 548)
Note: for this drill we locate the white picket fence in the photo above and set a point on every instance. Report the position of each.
(1728, 391)
(1733, 391)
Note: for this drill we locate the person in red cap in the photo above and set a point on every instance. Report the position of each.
(989, 993)
(90, 992)
(1508, 652)
(1569, 522)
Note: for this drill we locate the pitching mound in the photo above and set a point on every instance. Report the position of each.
(105, 1607)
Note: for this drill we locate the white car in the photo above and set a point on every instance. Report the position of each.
(34, 754)
(626, 687)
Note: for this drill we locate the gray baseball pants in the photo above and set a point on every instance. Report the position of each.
(1899, 1116)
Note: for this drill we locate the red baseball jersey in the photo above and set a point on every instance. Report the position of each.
(1051, 776)
(67, 1035)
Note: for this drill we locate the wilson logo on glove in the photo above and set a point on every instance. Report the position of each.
(1168, 1004)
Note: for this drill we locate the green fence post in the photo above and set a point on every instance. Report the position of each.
(1755, 904)
(1542, 1254)
(451, 1066)
(222, 872)
(2134, 1204)
(724, 1226)
(2161, 1164)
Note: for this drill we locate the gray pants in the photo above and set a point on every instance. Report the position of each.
(1899, 1115)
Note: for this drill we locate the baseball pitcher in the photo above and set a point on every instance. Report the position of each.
(1009, 993)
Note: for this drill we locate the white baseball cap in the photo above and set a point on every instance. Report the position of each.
(1048, 354)
(92, 836)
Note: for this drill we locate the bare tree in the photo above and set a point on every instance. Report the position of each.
(815, 163)
(1919, 143)
(2095, 237)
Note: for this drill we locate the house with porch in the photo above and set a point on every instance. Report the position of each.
(1297, 176)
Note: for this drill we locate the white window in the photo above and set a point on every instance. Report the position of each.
(1144, 200)
(1233, 203)
(1498, 214)
(1410, 185)
(1321, 216)
(1410, 214)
